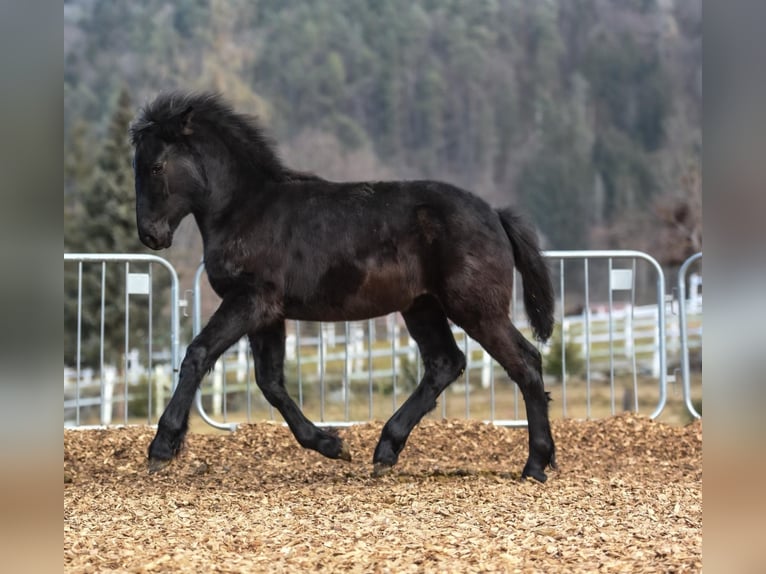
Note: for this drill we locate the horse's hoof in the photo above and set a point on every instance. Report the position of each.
(345, 453)
(156, 464)
(380, 469)
(538, 475)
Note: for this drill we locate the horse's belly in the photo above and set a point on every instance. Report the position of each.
(350, 313)
(359, 296)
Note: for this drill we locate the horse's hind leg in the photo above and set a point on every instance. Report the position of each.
(443, 363)
(523, 363)
(268, 344)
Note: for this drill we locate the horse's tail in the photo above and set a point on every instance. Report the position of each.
(538, 289)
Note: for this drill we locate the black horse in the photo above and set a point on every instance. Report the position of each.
(281, 244)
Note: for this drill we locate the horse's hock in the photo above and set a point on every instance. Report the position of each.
(627, 497)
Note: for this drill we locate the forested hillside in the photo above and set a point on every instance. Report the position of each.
(587, 113)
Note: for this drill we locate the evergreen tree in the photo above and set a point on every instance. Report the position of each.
(556, 186)
(78, 161)
(109, 204)
(103, 221)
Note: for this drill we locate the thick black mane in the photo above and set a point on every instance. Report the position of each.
(210, 114)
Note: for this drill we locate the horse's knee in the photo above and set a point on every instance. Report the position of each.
(194, 360)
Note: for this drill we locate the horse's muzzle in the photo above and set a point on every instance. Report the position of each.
(151, 242)
(156, 238)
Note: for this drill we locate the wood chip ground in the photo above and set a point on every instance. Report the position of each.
(627, 498)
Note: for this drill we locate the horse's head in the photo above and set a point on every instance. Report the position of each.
(168, 176)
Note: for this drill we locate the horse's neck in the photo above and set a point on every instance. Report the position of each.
(208, 229)
(236, 187)
(213, 218)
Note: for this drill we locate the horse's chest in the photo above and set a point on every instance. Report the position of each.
(221, 283)
(239, 269)
(224, 274)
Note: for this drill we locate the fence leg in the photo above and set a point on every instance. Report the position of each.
(218, 388)
(110, 375)
(241, 360)
(163, 382)
(486, 369)
(657, 348)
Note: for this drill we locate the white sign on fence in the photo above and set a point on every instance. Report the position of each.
(138, 283)
(621, 279)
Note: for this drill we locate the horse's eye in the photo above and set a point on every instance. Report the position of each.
(158, 168)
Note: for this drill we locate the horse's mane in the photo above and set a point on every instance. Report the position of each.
(209, 112)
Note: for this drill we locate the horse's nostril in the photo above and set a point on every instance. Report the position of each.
(149, 240)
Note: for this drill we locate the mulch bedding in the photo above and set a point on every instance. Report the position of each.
(627, 498)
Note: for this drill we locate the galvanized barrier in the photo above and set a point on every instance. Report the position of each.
(683, 324)
(147, 372)
(618, 335)
(620, 279)
(609, 348)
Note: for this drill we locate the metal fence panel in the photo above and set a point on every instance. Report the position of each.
(140, 376)
(694, 301)
(609, 351)
(355, 371)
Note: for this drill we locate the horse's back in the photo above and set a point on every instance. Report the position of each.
(371, 248)
(433, 210)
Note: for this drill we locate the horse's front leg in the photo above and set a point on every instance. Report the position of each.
(232, 320)
(268, 344)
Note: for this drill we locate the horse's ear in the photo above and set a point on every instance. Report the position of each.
(185, 121)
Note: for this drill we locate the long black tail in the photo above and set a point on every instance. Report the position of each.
(538, 289)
